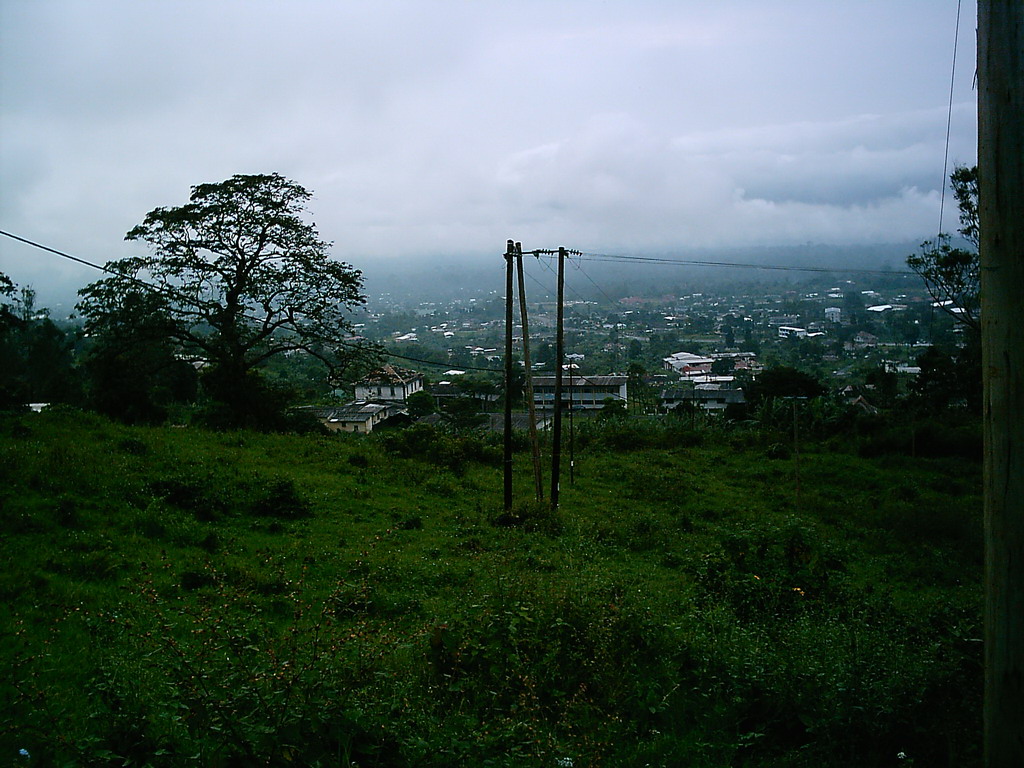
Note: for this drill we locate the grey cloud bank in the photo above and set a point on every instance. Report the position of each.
(443, 128)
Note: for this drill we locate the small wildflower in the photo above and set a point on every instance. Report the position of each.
(901, 755)
(24, 753)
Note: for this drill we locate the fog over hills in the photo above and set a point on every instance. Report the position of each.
(652, 274)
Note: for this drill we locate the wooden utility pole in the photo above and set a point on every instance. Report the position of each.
(556, 428)
(538, 476)
(796, 453)
(572, 433)
(1001, 218)
(509, 252)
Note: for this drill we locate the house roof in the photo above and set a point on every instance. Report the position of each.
(687, 358)
(358, 411)
(725, 395)
(390, 374)
(582, 381)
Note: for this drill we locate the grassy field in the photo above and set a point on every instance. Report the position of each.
(181, 597)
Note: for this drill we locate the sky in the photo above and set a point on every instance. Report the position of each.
(438, 129)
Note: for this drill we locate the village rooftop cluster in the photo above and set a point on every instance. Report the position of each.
(646, 354)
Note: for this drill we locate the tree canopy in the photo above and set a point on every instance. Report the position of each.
(783, 381)
(37, 355)
(952, 275)
(236, 277)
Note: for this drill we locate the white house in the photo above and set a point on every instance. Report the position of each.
(790, 331)
(389, 383)
(359, 416)
(688, 364)
(710, 400)
(586, 392)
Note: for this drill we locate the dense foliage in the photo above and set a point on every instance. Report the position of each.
(36, 356)
(236, 278)
(951, 274)
(703, 597)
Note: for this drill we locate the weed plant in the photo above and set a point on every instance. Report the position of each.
(182, 597)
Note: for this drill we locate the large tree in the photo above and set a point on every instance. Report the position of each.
(952, 274)
(241, 276)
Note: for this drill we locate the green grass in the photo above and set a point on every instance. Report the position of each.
(182, 597)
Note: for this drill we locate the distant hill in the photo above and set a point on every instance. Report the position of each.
(448, 278)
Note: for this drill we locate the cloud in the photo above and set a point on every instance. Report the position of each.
(864, 179)
(440, 128)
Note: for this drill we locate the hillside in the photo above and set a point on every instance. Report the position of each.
(176, 596)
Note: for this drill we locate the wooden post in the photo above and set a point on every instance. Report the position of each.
(796, 453)
(556, 428)
(1001, 217)
(509, 250)
(572, 434)
(538, 475)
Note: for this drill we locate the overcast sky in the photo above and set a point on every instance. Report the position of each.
(434, 129)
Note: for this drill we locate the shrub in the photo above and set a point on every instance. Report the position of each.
(531, 516)
(278, 497)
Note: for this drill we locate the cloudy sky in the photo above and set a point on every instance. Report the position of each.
(430, 129)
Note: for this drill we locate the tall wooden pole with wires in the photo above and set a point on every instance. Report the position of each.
(538, 475)
(556, 427)
(1001, 220)
(509, 253)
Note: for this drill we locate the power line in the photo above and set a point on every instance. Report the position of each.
(622, 258)
(435, 362)
(59, 253)
(576, 293)
(949, 118)
(583, 272)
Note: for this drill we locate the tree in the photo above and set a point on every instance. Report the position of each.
(948, 379)
(884, 385)
(722, 366)
(241, 278)
(783, 381)
(612, 409)
(420, 404)
(7, 315)
(463, 413)
(132, 371)
(641, 394)
(10, 391)
(952, 275)
(38, 360)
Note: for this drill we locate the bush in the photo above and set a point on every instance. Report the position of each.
(451, 451)
(531, 516)
(278, 497)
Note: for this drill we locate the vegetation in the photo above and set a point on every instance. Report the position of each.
(952, 275)
(37, 355)
(236, 278)
(795, 583)
(703, 597)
